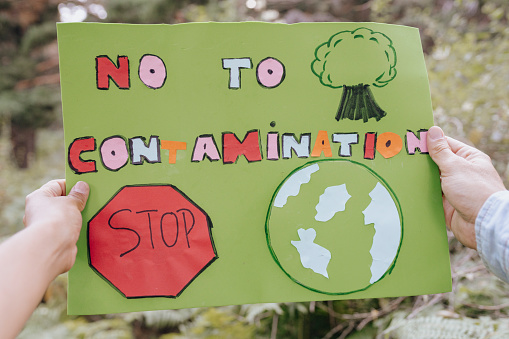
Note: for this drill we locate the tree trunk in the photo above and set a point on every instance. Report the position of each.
(23, 145)
(357, 102)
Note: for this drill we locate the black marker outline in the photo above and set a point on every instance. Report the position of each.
(349, 144)
(143, 158)
(74, 169)
(117, 65)
(126, 147)
(165, 71)
(282, 76)
(292, 148)
(209, 227)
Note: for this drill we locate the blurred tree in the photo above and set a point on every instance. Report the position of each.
(29, 72)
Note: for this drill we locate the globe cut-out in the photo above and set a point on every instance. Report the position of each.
(356, 217)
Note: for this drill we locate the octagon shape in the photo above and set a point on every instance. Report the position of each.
(150, 241)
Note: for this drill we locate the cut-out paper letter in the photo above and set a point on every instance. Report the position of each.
(346, 140)
(172, 147)
(382, 211)
(301, 148)
(77, 147)
(270, 72)
(140, 151)
(332, 200)
(114, 154)
(312, 255)
(412, 142)
(152, 71)
(205, 145)
(369, 146)
(389, 144)
(272, 146)
(234, 65)
(249, 147)
(322, 144)
(106, 70)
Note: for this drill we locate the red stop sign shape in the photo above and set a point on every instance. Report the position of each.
(150, 241)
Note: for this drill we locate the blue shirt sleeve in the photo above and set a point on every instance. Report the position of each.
(492, 234)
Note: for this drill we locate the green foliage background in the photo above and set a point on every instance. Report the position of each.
(466, 43)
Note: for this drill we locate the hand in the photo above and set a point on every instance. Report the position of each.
(33, 257)
(59, 217)
(468, 179)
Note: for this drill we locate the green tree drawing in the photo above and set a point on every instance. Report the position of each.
(355, 60)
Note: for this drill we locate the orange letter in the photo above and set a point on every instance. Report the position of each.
(172, 147)
(322, 144)
(389, 144)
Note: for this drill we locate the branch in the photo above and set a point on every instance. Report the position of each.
(488, 308)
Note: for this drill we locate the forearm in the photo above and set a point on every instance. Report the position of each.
(26, 270)
(492, 234)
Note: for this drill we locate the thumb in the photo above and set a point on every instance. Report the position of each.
(439, 148)
(79, 193)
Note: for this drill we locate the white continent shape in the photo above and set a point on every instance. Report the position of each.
(312, 255)
(383, 213)
(332, 200)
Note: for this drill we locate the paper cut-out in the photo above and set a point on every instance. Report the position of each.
(373, 56)
(389, 144)
(152, 71)
(114, 154)
(106, 70)
(173, 147)
(312, 255)
(252, 83)
(332, 200)
(150, 241)
(382, 212)
(301, 148)
(270, 72)
(141, 151)
(341, 226)
(205, 146)
(291, 187)
(414, 143)
(369, 146)
(249, 147)
(322, 145)
(78, 146)
(234, 66)
(346, 140)
(272, 146)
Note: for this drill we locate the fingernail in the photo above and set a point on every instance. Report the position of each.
(435, 133)
(81, 187)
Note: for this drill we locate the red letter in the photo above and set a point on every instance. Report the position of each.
(106, 70)
(232, 147)
(369, 146)
(77, 147)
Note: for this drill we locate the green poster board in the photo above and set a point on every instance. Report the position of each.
(236, 163)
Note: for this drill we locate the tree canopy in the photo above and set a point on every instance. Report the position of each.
(371, 55)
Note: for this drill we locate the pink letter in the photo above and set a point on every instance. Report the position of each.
(412, 142)
(152, 71)
(205, 145)
(114, 153)
(270, 72)
(273, 146)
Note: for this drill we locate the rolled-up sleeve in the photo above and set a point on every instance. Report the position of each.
(492, 234)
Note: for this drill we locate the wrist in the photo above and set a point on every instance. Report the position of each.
(46, 248)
